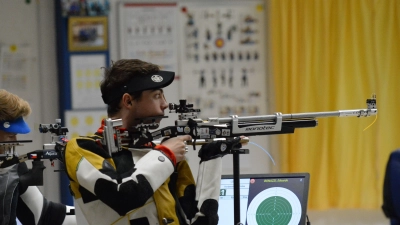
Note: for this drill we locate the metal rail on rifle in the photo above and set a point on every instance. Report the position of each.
(244, 140)
(111, 129)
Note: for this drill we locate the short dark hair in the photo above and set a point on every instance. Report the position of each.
(118, 74)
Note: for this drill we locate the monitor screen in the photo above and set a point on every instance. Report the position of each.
(276, 199)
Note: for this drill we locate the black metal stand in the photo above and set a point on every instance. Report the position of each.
(236, 183)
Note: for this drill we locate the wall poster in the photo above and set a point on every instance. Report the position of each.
(222, 57)
(86, 75)
(15, 66)
(83, 122)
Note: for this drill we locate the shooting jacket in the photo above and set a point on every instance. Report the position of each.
(140, 186)
(26, 202)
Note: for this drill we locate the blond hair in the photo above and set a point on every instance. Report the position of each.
(12, 107)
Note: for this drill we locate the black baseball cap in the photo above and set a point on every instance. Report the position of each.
(138, 83)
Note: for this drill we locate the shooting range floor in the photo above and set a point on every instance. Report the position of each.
(347, 217)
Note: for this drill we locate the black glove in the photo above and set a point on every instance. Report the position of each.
(30, 177)
(217, 149)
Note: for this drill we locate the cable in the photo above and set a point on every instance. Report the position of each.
(263, 150)
(308, 221)
(376, 117)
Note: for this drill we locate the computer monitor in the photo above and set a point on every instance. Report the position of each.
(266, 199)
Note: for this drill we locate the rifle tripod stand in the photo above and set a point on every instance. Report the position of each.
(236, 183)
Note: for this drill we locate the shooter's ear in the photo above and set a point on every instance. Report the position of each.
(127, 99)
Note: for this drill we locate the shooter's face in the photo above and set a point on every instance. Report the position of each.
(6, 136)
(151, 103)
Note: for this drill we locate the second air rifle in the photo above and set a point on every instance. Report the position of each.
(51, 151)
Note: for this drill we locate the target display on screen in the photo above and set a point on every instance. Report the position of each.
(274, 206)
(265, 199)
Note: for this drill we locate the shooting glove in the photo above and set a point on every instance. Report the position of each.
(30, 177)
(217, 149)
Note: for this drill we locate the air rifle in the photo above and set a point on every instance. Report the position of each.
(207, 130)
(51, 151)
(234, 126)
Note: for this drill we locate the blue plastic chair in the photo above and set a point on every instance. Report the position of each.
(391, 189)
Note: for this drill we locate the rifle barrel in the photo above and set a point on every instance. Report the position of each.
(311, 115)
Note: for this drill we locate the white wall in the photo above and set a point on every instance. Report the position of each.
(33, 25)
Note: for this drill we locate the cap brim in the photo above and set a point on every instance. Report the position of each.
(157, 80)
(18, 126)
(152, 81)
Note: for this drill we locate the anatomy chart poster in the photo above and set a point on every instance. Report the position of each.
(222, 57)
